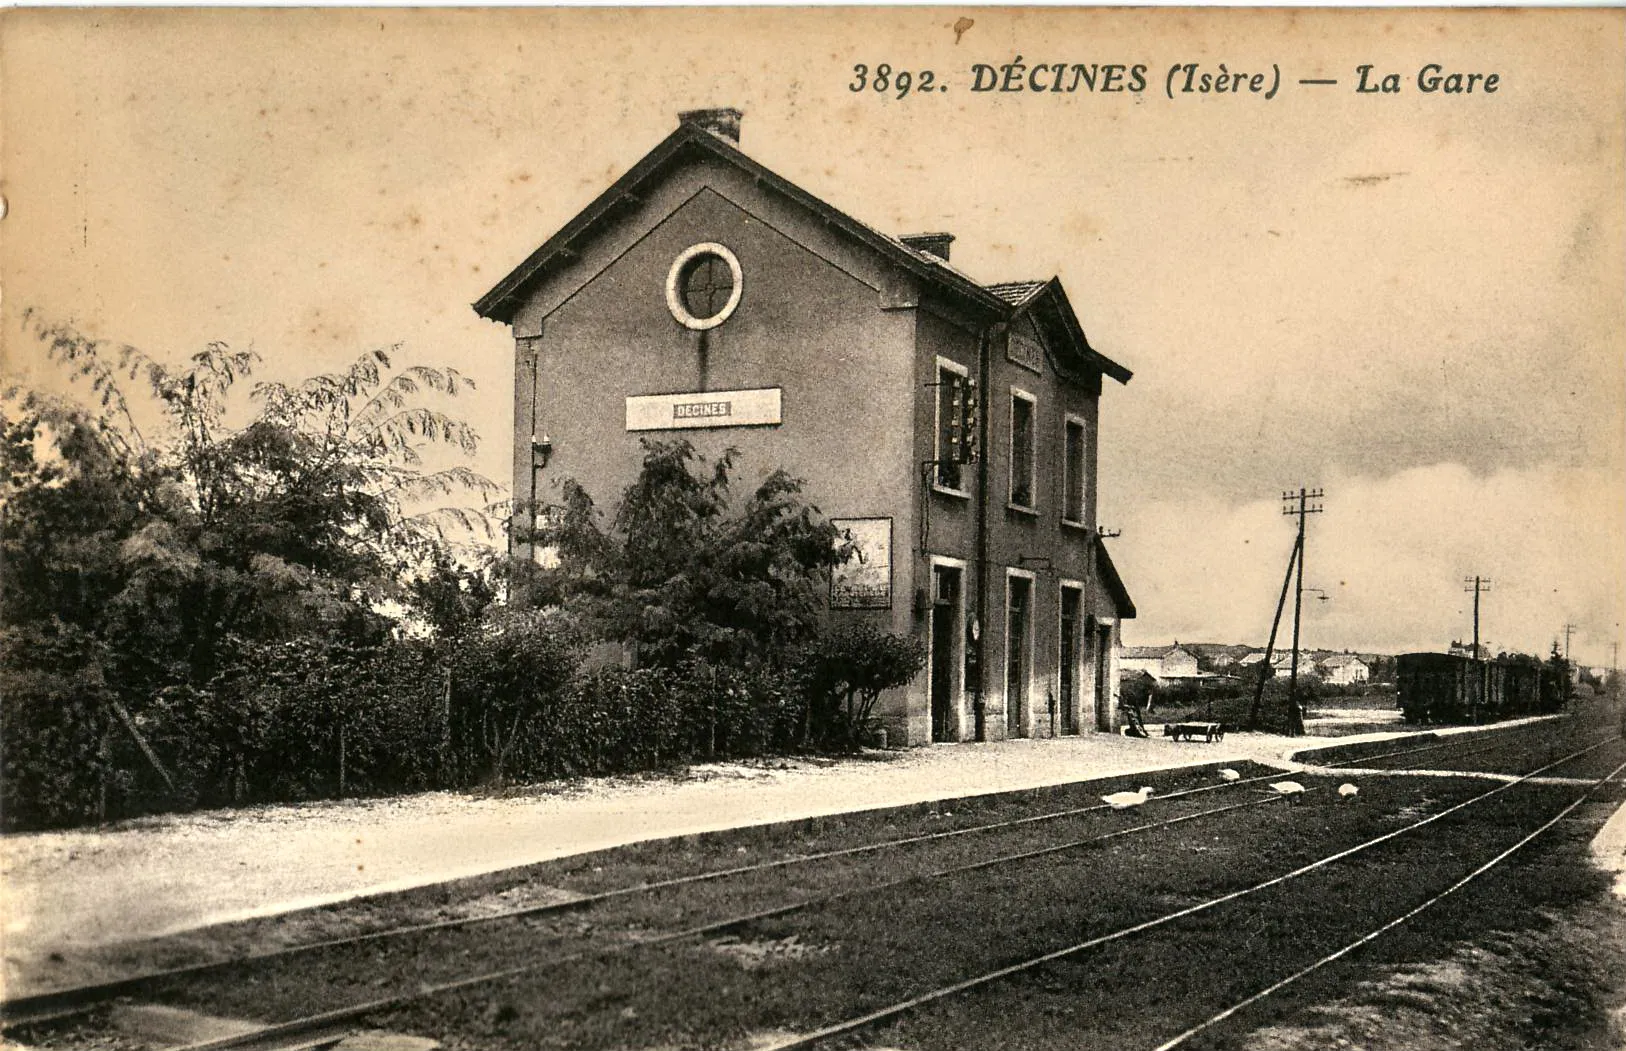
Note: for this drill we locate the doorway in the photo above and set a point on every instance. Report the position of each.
(1102, 644)
(1018, 610)
(1071, 600)
(945, 633)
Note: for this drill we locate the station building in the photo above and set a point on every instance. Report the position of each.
(704, 296)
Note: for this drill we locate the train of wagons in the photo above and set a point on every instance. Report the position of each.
(1447, 688)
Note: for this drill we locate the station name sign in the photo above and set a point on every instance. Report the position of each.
(710, 408)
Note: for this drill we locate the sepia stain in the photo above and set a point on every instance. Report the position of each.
(1372, 180)
(961, 24)
(1079, 224)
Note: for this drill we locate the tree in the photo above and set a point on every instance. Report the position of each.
(450, 596)
(313, 512)
(684, 576)
(139, 562)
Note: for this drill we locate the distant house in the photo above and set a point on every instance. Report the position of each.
(1160, 662)
(1345, 669)
(1251, 660)
(1283, 663)
(1215, 656)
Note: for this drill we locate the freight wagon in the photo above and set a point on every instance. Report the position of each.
(1446, 688)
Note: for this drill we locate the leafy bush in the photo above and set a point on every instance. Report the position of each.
(844, 672)
(504, 687)
(682, 574)
(54, 762)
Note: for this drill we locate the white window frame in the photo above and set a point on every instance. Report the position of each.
(1070, 420)
(963, 372)
(1025, 717)
(674, 294)
(1033, 451)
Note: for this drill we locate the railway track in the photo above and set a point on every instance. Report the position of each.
(312, 1029)
(1505, 739)
(57, 1004)
(1185, 1036)
(892, 1011)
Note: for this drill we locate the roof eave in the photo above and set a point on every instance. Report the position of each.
(1093, 357)
(501, 302)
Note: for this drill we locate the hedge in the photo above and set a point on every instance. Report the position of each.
(310, 718)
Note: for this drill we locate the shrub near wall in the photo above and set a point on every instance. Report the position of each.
(315, 717)
(54, 721)
(618, 719)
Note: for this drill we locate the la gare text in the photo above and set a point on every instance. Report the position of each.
(1182, 78)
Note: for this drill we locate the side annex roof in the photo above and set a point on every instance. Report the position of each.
(1113, 583)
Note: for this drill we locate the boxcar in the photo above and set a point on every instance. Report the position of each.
(1446, 688)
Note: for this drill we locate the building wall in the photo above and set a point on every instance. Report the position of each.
(846, 336)
(811, 321)
(946, 524)
(1345, 674)
(1030, 544)
(1179, 664)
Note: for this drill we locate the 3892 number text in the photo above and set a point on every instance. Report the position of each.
(900, 83)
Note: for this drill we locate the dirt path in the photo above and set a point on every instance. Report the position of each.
(66, 890)
(155, 876)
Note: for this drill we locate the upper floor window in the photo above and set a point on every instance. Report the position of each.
(953, 387)
(1074, 468)
(1022, 452)
(704, 286)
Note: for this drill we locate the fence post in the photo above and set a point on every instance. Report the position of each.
(341, 758)
(101, 788)
(446, 729)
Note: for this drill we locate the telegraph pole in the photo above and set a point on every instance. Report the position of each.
(1478, 585)
(1295, 718)
(1270, 646)
(1568, 630)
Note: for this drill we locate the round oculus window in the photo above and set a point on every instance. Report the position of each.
(704, 286)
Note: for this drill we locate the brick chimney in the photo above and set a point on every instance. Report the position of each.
(723, 123)
(931, 244)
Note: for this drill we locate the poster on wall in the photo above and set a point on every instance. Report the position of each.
(864, 581)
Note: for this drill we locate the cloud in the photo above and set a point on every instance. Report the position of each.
(1392, 554)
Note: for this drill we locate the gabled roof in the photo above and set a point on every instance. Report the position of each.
(1016, 293)
(690, 140)
(1338, 660)
(1050, 304)
(1000, 301)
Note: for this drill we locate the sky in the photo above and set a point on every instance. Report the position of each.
(1414, 301)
